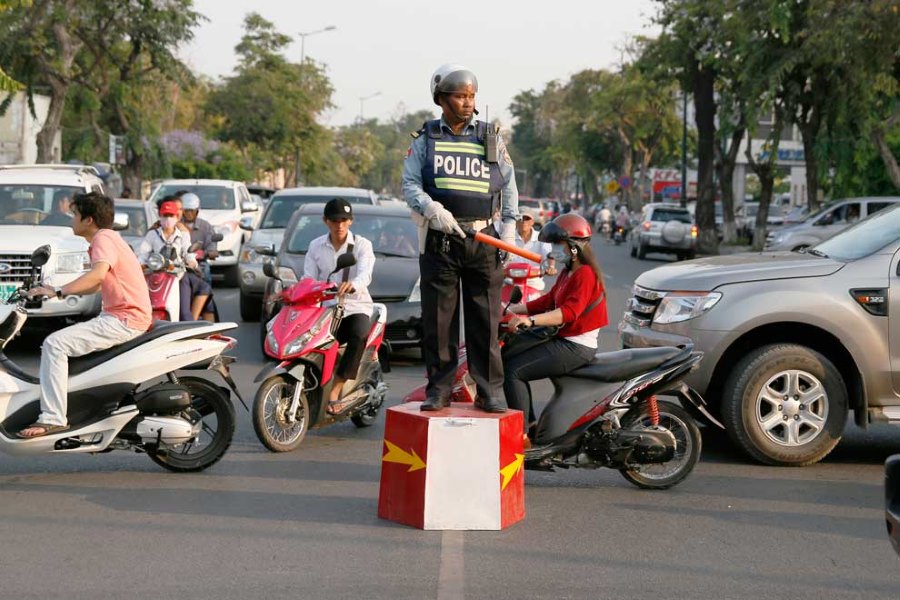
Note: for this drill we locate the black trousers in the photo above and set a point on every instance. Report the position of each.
(353, 331)
(448, 261)
(551, 359)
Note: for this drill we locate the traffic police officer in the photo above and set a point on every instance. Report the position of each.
(458, 172)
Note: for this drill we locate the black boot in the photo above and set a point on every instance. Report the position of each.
(491, 405)
(434, 403)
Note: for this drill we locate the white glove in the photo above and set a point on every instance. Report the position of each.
(508, 232)
(442, 219)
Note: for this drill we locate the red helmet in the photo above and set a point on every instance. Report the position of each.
(568, 227)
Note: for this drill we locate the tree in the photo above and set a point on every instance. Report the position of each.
(270, 105)
(7, 83)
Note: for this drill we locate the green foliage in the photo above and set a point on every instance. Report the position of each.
(270, 105)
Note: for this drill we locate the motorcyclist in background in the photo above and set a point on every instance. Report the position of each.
(201, 232)
(195, 292)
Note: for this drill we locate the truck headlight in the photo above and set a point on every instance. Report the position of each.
(681, 306)
(251, 256)
(73, 262)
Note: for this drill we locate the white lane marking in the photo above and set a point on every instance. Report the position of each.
(451, 578)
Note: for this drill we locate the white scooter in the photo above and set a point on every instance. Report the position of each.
(127, 397)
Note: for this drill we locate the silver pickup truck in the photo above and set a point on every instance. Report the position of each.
(792, 341)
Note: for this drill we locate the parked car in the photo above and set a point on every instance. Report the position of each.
(395, 280)
(797, 214)
(667, 228)
(27, 197)
(825, 223)
(271, 231)
(222, 203)
(541, 214)
(134, 216)
(791, 341)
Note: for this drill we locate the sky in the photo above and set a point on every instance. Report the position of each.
(391, 47)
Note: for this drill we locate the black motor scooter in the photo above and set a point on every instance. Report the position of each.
(608, 414)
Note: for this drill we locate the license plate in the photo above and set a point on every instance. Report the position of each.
(6, 290)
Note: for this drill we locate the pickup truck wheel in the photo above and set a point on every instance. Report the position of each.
(785, 404)
(633, 251)
(642, 250)
(251, 307)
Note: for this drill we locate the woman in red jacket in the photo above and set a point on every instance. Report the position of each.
(576, 303)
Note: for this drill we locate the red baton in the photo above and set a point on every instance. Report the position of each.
(511, 248)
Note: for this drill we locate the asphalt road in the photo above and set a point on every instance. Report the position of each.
(304, 525)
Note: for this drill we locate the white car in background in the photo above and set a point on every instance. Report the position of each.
(222, 203)
(27, 194)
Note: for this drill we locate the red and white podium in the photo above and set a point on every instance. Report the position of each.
(458, 468)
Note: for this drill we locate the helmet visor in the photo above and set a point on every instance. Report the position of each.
(455, 81)
(552, 233)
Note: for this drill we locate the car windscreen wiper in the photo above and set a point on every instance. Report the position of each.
(383, 253)
(816, 252)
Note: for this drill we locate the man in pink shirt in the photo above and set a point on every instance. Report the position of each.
(117, 275)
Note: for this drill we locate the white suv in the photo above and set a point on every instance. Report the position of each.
(27, 194)
(666, 228)
(222, 203)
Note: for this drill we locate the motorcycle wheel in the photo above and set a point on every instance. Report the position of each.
(687, 451)
(273, 399)
(368, 417)
(217, 414)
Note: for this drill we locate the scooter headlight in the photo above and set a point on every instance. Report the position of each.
(682, 306)
(155, 262)
(272, 342)
(518, 273)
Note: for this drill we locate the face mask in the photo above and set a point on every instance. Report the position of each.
(562, 256)
(168, 222)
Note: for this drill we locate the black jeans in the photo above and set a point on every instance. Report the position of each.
(553, 358)
(448, 261)
(353, 331)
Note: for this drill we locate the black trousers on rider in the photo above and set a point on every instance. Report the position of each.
(553, 358)
(353, 331)
(448, 261)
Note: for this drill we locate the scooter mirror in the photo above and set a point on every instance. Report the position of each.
(269, 269)
(173, 253)
(40, 256)
(515, 296)
(344, 261)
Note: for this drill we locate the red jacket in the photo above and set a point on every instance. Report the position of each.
(572, 293)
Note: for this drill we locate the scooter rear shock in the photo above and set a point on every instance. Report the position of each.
(653, 407)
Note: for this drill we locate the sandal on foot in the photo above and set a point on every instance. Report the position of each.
(48, 430)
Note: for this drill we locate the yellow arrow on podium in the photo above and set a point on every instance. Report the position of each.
(510, 470)
(395, 454)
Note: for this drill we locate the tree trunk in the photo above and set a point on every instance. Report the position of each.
(705, 114)
(59, 76)
(809, 131)
(726, 184)
(767, 183)
(890, 161)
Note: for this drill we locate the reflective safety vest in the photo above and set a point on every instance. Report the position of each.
(457, 174)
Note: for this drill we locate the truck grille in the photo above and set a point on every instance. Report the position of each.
(15, 268)
(642, 306)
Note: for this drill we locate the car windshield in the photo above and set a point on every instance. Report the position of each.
(391, 235)
(671, 214)
(36, 204)
(212, 197)
(866, 237)
(137, 220)
(282, 207)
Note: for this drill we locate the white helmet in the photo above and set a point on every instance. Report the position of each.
(190, 201)
(449, 78)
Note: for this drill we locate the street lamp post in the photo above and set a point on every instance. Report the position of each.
(304, 35)
(362, 99)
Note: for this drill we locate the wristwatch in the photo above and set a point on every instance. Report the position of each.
(59, 293)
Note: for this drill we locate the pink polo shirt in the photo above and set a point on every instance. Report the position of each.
(124, 289)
